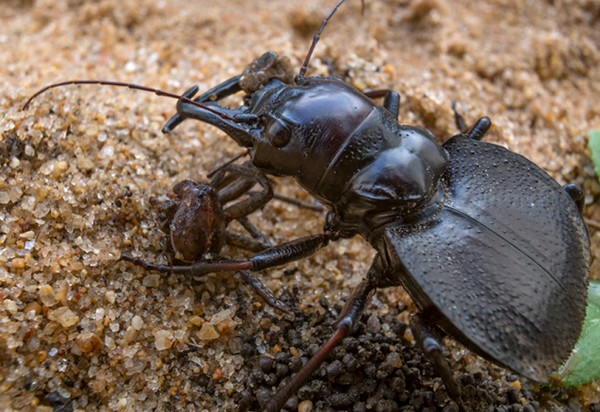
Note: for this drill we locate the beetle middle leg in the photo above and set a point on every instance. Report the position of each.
(276, 256)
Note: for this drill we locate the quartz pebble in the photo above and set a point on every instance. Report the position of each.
(65, 316)
(305, 406)
(207, 332)
(88, 342)
(163, 339)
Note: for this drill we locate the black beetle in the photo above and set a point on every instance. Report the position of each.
(493, 251)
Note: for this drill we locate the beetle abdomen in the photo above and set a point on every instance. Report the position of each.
(504, 265)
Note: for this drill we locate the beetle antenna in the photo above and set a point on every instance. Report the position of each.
(318, 36)
(214, 171)
(158, 92)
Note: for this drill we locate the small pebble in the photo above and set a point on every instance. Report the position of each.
(305, 406)
(137, 322)
(65, 316)
(151, 281)
(46, 295)
(373, 324)
(207, 332)
(88, 342)
(163, 339)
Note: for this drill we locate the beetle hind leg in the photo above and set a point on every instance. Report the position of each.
(576, 194)
(434, 351)
(347, 321)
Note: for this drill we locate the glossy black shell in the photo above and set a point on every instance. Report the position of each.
(502, 264)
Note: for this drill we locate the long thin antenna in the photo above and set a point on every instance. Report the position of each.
(158, 92)
(318, 36)
(213, 172)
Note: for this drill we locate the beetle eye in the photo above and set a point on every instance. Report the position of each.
(278, 133)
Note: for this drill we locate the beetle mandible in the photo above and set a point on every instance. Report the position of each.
(493, 251)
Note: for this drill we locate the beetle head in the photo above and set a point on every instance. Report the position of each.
(301, 128)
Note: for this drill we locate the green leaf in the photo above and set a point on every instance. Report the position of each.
(594, 141)
(583, 365)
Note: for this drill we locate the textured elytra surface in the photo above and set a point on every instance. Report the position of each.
(505, 261)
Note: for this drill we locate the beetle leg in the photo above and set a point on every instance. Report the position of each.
(247, 177)
(261, 290)
(391, 100)
(275, 256)
(458, 119)
(475, 132)
(576, 194)
(479, 129)
(433, 349)
(346, 322)
(257, 243)
(299, 203)
(227, 88)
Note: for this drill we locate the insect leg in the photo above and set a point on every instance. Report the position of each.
(475, 132)
(275, 256)
(479, 129)
(220, 91)
(255, 200)
(433, 349)
(261, 290)
(234, 181)
(391, 100)
(576, 194)
(346, 323)
(257, 243)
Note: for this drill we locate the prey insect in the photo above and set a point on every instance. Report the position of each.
(195, 220)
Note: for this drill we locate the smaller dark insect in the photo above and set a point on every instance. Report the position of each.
(195, 220)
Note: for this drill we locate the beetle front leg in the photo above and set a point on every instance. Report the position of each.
(475, 132)
(391, 100)
(434, 351)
